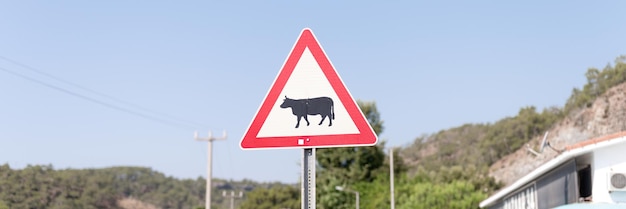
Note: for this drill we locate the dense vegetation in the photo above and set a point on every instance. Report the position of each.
(43, 187)
(447, 169)
(277, 196)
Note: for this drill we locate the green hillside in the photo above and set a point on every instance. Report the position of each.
(481, 145)
(44, 187)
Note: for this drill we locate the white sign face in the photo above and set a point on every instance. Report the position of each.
(308, 106)
(304, 83)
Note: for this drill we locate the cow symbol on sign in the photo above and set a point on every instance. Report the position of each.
(302, 108)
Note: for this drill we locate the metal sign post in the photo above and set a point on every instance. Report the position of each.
(308, 178)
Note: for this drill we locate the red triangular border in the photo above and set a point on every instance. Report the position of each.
(366, 136)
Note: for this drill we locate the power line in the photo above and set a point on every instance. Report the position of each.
(164, 115)
(112, 106)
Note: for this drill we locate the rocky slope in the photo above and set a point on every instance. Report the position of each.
(605, 116)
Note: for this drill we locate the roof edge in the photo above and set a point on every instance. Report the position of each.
(572, 151)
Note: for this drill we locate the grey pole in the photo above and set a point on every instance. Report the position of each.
(232, 197)
(209, 139)
(357, 199)
(308, 178)
(391, 181)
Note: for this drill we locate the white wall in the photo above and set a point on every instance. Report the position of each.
(604, 160)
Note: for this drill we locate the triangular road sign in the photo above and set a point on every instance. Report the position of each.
(308, 106)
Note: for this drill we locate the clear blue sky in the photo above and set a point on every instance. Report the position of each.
(428, 66)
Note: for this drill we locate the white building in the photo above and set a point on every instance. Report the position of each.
(589, 171)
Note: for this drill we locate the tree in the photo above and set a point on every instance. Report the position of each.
(355, 163)
(349, 165)
(273, 197)
(454, 195)
(598, 82)
(372, 115)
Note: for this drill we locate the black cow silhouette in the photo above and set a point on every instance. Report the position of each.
(301, 108)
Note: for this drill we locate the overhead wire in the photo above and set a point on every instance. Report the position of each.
(164, 115)
(163, 118)
(115, 107)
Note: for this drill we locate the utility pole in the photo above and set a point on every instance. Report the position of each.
(209, 169)
(232, 197)
(391, 182)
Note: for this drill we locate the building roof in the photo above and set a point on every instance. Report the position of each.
(596, 140)
(570, 152)
(592, 206)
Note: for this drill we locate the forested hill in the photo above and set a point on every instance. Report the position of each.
(116, 187)
(595, 109)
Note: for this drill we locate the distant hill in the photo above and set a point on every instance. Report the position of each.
(115, 188)
(477, 145)
(499, 149)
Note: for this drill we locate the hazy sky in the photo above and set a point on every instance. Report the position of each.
(92, 84)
